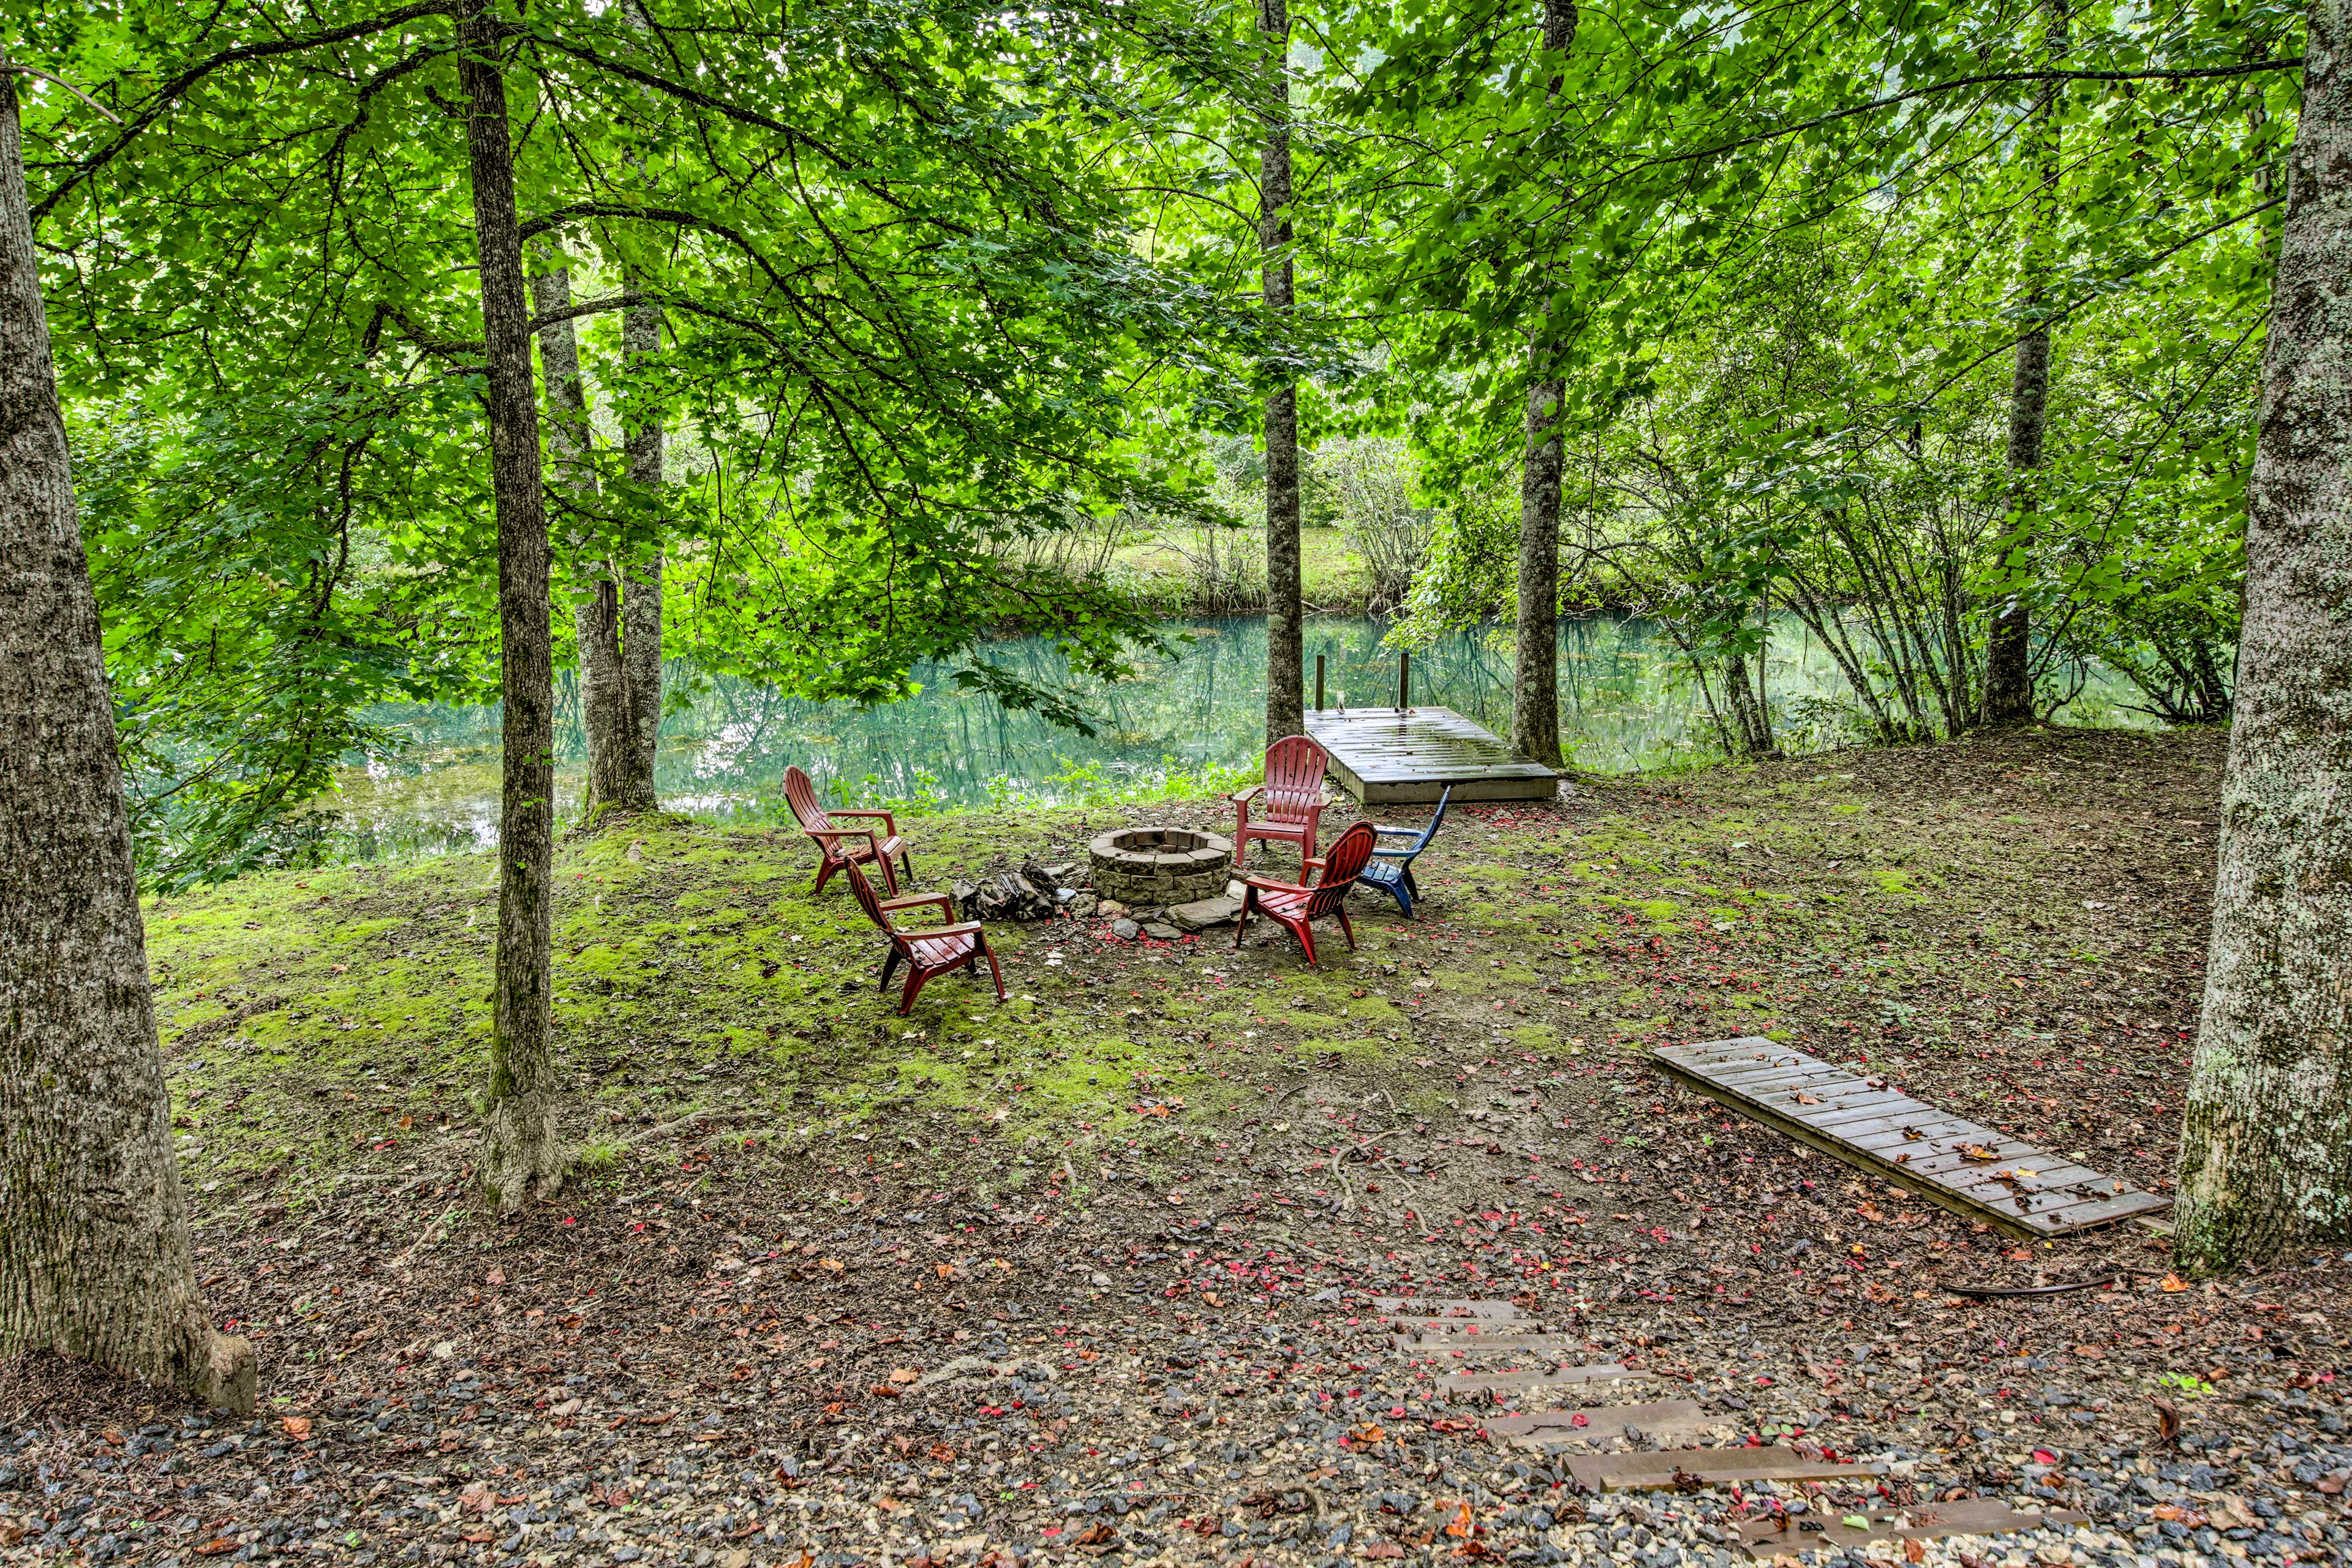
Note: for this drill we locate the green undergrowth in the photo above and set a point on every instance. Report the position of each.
(330, 1026)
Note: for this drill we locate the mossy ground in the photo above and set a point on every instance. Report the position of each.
(2026, 898)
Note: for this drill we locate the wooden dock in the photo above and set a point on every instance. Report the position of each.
(1390, 756)
(1973, 1171)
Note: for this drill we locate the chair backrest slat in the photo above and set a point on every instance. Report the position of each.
(866, 899)
(1294, 766)
(800, 793)
(1436, 817)
(1341, 867)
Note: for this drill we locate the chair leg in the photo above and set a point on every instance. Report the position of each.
(997, 973)
(906, 861)
(1241, 921)
(914, 988)
(1347, 930)
(889, 967)
(1404, 901)
(825, 870)
(1306, 940)
(889, 877)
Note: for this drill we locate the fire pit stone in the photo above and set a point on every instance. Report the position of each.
(1146, 867)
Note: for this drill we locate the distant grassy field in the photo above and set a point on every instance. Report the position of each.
(1160, 567)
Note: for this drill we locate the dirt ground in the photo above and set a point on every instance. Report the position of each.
(1091, 1273)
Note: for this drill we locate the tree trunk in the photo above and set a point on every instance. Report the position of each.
(2009, 651)
(1752, 721)
(523, 1158)
(641, 591)
(1285, 676)
(2266, 1143)
(595, 617)
(1535, 665)
(95, 1257)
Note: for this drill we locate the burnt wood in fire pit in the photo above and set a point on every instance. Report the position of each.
(1149, 867)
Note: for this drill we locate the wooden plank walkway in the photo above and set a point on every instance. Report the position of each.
(1387, 756)
(1972, 1170)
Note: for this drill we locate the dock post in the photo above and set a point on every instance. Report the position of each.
(1319, 683)
(1404, 680)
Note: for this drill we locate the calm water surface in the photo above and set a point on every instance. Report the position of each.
(1627, 703)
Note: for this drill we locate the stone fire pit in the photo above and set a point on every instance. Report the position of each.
(1146, 867)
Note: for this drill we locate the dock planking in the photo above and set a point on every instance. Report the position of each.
(1858, 1116)
(1390, 756)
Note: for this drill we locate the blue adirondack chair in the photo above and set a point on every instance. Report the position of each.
(1391, 869)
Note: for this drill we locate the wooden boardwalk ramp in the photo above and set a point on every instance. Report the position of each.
(1863, 1120)
(1399, 756)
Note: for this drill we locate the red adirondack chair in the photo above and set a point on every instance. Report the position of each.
(925, 951)
(1294, 799)
(1294, 907)
(835, 847)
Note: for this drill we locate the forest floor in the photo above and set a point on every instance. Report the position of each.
(1087, 1274)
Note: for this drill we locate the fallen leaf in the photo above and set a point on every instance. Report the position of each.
(905, 1373)
(1095, 1534)
(1461, 1527)
(2175, 1282)
(1977, 1151)
(219, 1546)
(831, 1265)
(295, 1425)
(1366, 1434)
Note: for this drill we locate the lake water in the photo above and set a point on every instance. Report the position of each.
(1626, 704)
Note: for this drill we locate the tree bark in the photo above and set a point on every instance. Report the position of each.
(641, 589)
(523, 1158)
(1751, 719)
(595, 605)
(1285, 676)
(2266, 1142)
(1535, 664)
(95, 1257)
(2009, 650)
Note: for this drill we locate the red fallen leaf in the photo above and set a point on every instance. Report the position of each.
(1580, 1419)
(2045, 1457)
(219, 1546)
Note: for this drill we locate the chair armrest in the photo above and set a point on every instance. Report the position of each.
(1396, 832)
(888, 825)
(1312, 862)
(823, 834)
(1395, 854)
(1268, 885)
(917, 900)
(1246, 797)
(962, 928)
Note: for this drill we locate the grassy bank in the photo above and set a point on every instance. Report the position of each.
(1159, 567)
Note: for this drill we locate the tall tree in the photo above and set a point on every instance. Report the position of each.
(641, 576)
(95, 1256)
(2009, 650)
(524, 1158)
(1535, 670)
(1285, 710)
(596, 605)
(2266, 1140)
